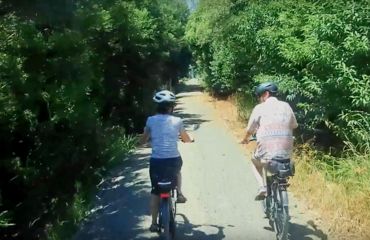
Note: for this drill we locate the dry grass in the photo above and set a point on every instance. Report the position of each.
(228, 112)
(345, 211)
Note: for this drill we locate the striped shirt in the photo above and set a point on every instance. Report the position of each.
(273, 122)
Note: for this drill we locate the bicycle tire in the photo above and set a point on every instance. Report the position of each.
(173, 214)
(267, 202)
(165, 219)
(281, 215)
(172, 224)
(174, 201)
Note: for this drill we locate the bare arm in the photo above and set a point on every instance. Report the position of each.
(293, 122)
(252, 126)
(185, 137)
(145, 136)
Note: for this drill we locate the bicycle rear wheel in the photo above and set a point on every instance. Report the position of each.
(165, 218)
(173, 213)
(267, 202)
(282, 215)
(172, 225)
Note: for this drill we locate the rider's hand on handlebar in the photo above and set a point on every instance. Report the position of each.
(244, 141)
(185, 137)
(248, 138)
(191, 140)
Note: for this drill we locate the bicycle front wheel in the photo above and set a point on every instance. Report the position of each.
(282, 215)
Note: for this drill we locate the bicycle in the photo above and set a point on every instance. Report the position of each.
(276, 203)
(167, 209)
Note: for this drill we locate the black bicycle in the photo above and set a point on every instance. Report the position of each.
(276, 203)
(167, 209)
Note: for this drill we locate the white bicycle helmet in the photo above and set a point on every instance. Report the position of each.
(164, 96)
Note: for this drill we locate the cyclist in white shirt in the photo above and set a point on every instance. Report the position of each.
(164, 129)
(273, 122)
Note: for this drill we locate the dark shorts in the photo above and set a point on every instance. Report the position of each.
(164, 169)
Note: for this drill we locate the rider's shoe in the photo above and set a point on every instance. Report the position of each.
(261, 194)
(154, 227)
(181, 198)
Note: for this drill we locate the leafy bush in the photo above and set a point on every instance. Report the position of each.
(316, 51)
(76, 79)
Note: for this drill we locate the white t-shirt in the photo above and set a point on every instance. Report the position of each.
(164, 130)
(273, 121)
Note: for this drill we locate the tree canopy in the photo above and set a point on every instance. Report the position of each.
(317, 51)
(75, 78)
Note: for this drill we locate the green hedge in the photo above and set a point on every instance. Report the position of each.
(76, 77)
(318, 52)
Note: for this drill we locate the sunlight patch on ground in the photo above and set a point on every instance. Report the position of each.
(117, 179)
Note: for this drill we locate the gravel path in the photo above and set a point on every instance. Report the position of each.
(218, 183)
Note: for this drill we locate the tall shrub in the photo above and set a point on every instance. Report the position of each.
(75, 78)
(317, 52)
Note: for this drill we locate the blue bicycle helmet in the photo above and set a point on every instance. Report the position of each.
(267, 86)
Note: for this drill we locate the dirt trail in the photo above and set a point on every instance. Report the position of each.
(218, 182)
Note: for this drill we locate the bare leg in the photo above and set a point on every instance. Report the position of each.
(154, 206)
(180, 196)
(258, 172)
(179, 183)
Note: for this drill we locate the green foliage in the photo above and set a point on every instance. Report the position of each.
(76, 79)
(4, 220)
(318, 52)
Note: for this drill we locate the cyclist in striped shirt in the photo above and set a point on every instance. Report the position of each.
(273, 122)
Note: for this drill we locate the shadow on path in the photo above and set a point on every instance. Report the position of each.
(121, 204)
(186, 87)
(190, 120)
(300, 232)
(187, 231)
(303, 232)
